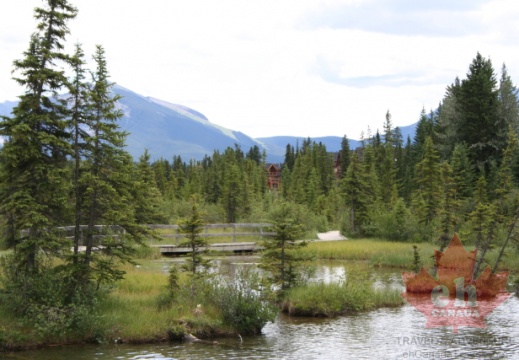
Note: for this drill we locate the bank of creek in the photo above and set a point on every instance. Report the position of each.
(394, 333)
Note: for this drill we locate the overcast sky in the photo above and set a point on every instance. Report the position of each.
(284, 67)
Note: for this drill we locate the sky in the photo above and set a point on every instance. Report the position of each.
(306, 68)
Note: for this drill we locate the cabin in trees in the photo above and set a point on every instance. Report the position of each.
(274, 176)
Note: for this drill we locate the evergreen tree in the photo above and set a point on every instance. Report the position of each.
(482, 222)
(447, 128)
(290, 157)
(255, 155)
(387, 166)
(191, 227)
(344, 156)
(148, 199)
(34, 188)
(480, 127)
(405, 175)
(106, 186)
(358, 194)
(279, 258)
(449, 205)
(232, 198)
(80, 121)
(424, 129)
(508, 96)
(428, 183)
(462, 172)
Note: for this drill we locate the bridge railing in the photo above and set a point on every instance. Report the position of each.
(232, 230)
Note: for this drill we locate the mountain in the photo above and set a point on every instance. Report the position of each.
(168, 129)
(276, 145)
(7, 107)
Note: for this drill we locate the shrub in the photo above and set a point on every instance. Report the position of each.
(349, 296)
(241, 304)
(51, 301)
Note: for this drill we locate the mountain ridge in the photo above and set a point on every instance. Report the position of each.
(167, 129)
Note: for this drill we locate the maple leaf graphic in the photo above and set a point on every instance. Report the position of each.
(455, 298)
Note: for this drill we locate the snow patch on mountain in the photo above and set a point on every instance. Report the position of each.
(193, 115)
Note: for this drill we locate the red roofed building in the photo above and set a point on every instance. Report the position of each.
(274, 176)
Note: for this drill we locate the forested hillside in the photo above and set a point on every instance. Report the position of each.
(63, 163)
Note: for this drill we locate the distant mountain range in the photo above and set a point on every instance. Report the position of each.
(168, 129)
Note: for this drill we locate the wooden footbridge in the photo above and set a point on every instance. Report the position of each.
(233, 232)
(233, 235)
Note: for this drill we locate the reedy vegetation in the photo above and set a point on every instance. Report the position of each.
(63, 162)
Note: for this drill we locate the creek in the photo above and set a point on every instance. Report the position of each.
(395, 333)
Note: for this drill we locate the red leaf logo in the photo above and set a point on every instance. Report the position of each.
(455, 298)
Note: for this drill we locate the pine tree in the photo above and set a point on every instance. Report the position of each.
(289, 157)
(106, 185)
(34, 189)
(482, 222)
(80, 118)
(449, 205)
(148, 199)
(447, 128)
(357, 194)
(232, 197)
(480, 127)
(462, 172)
(508, 101)
(424, 129)
(191, 227)
(428, 183)
(345, 156)
(279, 258)
(386, 166)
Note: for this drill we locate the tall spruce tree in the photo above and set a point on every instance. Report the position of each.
(508, 101)
(279, 258)
(344, 156)
(480, 127)
(428, 183)
(358, 194)
(33, 187)
(147, 196)
(106, 186)
(80, 117)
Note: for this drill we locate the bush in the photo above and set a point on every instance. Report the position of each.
(51, 301)
(350, 296)
(241, 304)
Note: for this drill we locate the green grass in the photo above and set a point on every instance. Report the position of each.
(334, 299)
(132, 311)
(380, 253)
(377, 252)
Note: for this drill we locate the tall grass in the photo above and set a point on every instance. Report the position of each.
(332, 299)
(142, 308)
(378, 253)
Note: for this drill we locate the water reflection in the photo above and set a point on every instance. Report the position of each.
(396, 333)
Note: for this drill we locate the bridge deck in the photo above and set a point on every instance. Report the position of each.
(230, 247)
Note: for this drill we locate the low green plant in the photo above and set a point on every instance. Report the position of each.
(351, 295)
(241, 303)
(378, 253)
(51, 302)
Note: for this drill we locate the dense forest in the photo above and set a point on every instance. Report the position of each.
(458, 174)
(64, 172)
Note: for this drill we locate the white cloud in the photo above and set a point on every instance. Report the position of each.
(292, 67)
